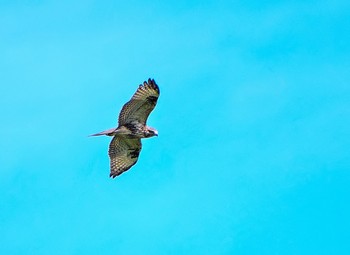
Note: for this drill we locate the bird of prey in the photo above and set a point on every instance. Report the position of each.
(125, 146)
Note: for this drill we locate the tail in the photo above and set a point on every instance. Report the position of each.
(108, 132)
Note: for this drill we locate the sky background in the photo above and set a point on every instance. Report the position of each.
(253, 118)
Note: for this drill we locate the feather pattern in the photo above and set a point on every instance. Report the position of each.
(141, 104)
(123, 153)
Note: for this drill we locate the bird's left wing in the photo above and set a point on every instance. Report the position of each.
(141, 104)
(123, 153)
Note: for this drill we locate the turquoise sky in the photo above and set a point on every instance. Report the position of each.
(254, 130)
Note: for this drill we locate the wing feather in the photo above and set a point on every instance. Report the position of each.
(123, 153)
(141, 104)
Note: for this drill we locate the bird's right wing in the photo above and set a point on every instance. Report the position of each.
(123, 153)
(141, 104)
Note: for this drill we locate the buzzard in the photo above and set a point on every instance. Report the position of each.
(125, 146)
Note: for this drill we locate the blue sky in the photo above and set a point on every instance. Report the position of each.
(253, 149)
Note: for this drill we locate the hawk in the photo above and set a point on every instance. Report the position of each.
(125, 146)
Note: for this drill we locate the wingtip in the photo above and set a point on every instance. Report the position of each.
(151, 82)
(115, 174)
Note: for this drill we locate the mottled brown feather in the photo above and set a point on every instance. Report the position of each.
(123, 153)
(141, 104)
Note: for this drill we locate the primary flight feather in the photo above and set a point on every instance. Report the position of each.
(125, 146)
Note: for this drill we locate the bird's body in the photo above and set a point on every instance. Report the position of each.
(125, 146)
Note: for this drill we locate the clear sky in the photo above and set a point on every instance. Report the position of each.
(253, 153)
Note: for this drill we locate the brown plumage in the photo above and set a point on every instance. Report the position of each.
(125, 146)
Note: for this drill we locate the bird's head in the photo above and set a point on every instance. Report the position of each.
(151, 132)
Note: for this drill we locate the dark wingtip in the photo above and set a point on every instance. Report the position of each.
(115, 174)
(151, 81)
(153, 84)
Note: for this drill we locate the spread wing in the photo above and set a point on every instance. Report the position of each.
(141, 104)
(123, 154)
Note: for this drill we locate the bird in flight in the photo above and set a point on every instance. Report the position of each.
(125, 146)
